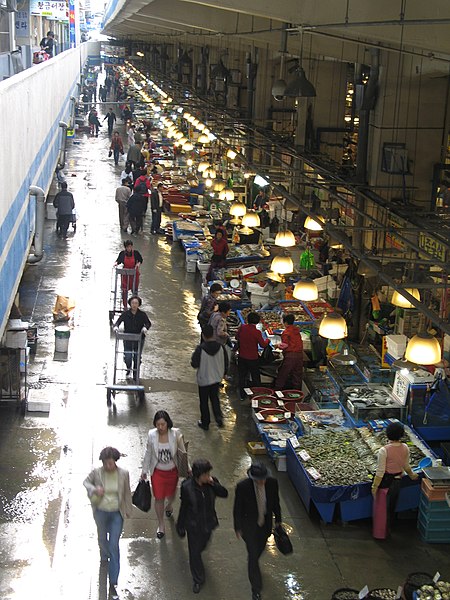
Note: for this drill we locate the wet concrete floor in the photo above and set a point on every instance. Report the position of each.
(47, 534)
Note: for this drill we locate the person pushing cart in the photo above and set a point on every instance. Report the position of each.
(135, 321)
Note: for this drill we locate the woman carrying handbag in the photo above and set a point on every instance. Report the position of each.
(165, 461)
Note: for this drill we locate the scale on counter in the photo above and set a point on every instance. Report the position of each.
(439, 476)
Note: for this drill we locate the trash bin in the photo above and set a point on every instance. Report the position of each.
(62, 336)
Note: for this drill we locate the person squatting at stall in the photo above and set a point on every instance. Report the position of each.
(197, 516)
(160, 461)
(108, 488)
(256, 500)
(211, 361)
(134, 321)
(123, 193)
(64, 204)
(393, 460)
(248, 339)
(130, 259)
(220, 250)
(292, 365)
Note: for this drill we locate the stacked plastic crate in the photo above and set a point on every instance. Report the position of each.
(434, 513)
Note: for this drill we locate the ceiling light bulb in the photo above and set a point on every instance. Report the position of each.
(306, 290)
(399, 300)
(231, 154)
(333, 327)
(189, 162)
(208, 182)
(313, 225)
(282, 265)
(285, 239)
(423, 349)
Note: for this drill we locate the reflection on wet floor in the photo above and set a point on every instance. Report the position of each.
(47, 534)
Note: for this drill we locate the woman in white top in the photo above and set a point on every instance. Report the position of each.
(160, 462)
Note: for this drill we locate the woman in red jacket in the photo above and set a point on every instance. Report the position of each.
(249, 338)
(292, 365)
(220, 250)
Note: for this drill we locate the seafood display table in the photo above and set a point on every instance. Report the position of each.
(349, 502)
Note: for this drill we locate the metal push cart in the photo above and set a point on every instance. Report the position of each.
(120, 382)
(118, 290)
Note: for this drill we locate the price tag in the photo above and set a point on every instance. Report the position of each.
(287, 415)
(304, 455)
(254, 403)
(280, 402)
(399, 593)
(316, 475)
(248, 391)
(350, 406)
(363, 593)
(294, 442)
(279, 394)
(436, 577)
(259, 416)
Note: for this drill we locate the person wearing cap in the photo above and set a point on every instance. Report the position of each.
(108, 488)
(197, 516)
(256, 502)
(134, 321)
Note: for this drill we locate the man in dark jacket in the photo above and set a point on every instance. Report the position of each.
(197, 515)
(211, 361)
(111, 116)
(156, 204)
(256, 500)
(64, 204)
(137, 207)
(134, 321)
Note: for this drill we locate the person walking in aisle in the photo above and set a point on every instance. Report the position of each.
(211, 361)
(156, 205)
(256, 501)
(134, 153)
(64, 204)
(197, 516)
(209, 304)
(123, 193)
(129, 259)
(108, 488)
(137, 207)
(160, 462)
(248, 339)
(111, 118)
(292, 365)
(218, 321)
(116, 147)
(134, 321)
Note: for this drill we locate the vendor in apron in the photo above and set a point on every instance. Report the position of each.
(130, 259)
(393, 461)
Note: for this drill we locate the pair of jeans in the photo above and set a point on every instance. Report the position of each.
(130, 356)
(109, 529)
(156, 221)
(62, 224)
(246, 366)
(116, 153)
(197, 541)
(256, 544)
(207, 393)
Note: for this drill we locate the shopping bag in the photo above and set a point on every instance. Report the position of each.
(142, 496)
(379, 519)
(282, 540)
(183, 461)
(267, 356)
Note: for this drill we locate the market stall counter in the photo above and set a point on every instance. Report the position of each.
(331, 466)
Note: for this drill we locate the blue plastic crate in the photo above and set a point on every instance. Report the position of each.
(434, 506)
(433, 537)
(433, 524)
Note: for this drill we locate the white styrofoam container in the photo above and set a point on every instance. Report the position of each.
(16, 339)
(280, 463)
(191, 266)
(396, 345)
(322, 282)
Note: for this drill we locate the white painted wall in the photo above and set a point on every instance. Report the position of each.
(31, 105)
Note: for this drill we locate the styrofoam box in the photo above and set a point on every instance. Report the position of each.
(280, 463)
(396, 344)
(322, 282)
(191, 266)
(16, 339)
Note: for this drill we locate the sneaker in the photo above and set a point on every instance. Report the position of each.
(196, 588)
(256, 596)
(113, 592)
(204, 427)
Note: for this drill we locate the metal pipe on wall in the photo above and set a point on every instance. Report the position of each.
(39, 225)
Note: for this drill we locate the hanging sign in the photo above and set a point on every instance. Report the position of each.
(50, 9)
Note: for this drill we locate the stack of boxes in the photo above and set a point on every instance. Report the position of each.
(411, 322)
(434, 513)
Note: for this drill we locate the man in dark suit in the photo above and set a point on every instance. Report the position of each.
(255, 502)
(156, 203)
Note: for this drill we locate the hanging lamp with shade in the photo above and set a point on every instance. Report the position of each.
(251, 219)
(423, 349)
(399, 300)
(299, 86)
(202, 166)
(285, 239)
(314, 224)
(333, 327)
(282, 265)
(203, 139)
(306, 290)
(219, 186)
(238, 209)
(188, 146)
(231, 154)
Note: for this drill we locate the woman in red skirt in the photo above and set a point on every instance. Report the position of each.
(160, 462)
